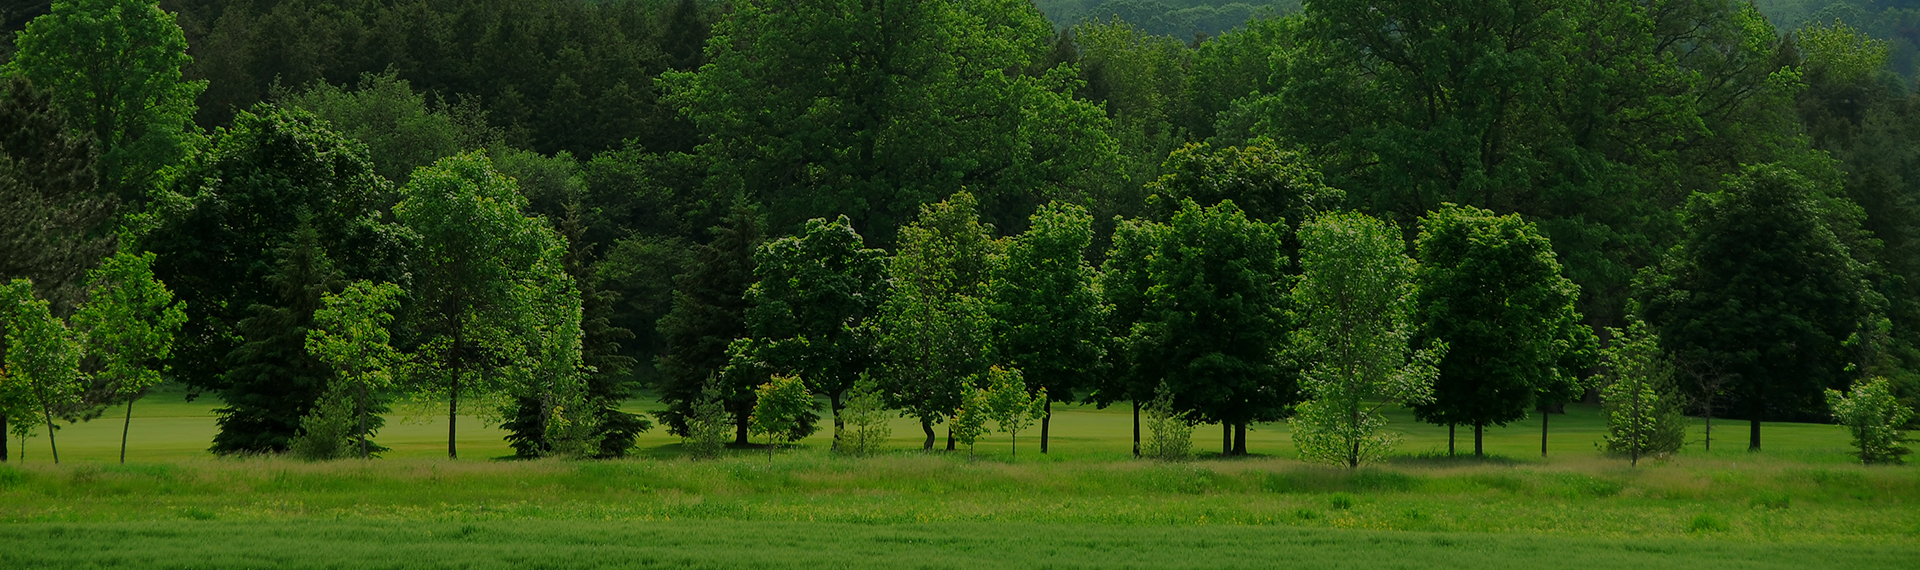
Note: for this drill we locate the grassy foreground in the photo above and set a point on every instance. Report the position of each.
(1801, 504)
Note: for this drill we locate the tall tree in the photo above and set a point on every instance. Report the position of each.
(936, 334)
(491, 298)
(1124, 280)
(1490, 288)
(272, 381)
(872, 109)
(1764, 290)
(709, 312)
(809, 312)
(223, 227)
(42, 360)
(127, 324)
(58, 223)
(1215, 319)
(1046, 307)
(115, 67)
(1356, 295)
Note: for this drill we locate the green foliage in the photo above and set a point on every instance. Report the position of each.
(709, 312)
(1046, 305)
(277, 184)
(808, 313)
(1642, 406)
(1213, 316)
(128, 323)
(969, 420)
(330, 431)
(115, 67)
(42, 362)
(1356, 296)
(935, 328)
(1874, 418)
(494, 310)
(1491, 289)
(871, 111)
(401, 130)
(1269, 184)
(1169, 436)
(350, 335)
(1010, 405)
(866, 419)
(57, 220)
(1762, 289)
(705, 435)
(780, 406)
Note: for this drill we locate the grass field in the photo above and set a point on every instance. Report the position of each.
(1800, 504)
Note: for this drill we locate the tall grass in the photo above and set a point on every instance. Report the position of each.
(1756, 499)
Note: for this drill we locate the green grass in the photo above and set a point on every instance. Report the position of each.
(1087, 504)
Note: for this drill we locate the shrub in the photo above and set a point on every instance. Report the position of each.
(866, 419)
(706, 433)
(1870, 412)
(326, 432)
(1169, 436)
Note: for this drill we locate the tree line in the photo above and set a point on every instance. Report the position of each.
(1470, 209)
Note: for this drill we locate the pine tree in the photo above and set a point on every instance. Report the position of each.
(709, 312)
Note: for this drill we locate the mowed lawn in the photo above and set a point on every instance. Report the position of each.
(1800, 504)
(167, 427)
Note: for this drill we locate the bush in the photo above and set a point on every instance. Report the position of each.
(1169, 436)
(706, 433)
(1870, 412)
(866, 419)
(326, 432)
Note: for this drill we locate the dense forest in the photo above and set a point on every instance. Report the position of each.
(319, 211)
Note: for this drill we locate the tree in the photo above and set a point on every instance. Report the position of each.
(1763, 289)
(709, 312)
(328, 432)
(778, 408)
(1170, 435)
(402, 131)
(58, 222)
(705, 435)
(1491, 289)
(115, 67)
(866, 415)
(1124, 279)
(350, 335)
(808, 314)
(1639, 399)
(935, 329)
(42, 359)
(874, 109)
(225, 224)
(1355, 296)
(492, 301)
(1215, 319)
(127, 324)
(1269, 184)
(969, 421)
(1046, 307)
(1873, 417)
(1009, 404)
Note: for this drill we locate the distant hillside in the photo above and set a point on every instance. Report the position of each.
(1184, 19)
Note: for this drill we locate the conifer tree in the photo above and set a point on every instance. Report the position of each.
(709, 312)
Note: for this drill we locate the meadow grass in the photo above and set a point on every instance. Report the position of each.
(1087, 504)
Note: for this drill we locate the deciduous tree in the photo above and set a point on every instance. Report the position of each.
(42, 360)
(1356, 295)
(350, 335)
(127, 323)
(935, 329)
(779, 407)
(1639, 399)
(1874, 418)
(1048, 318)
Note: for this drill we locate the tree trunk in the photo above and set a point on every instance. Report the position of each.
(124, 428)
(1543, 432)
(1449, 440)
(740, 431)
(364, 454)
(1136, 429)
(839, 422)
(1753, 437)
(56, 447)
(1240, 438)
(950, 439)
(1479, 435)
(1709, 426)
(926, 425)
(453, 414)
(3, 439)
(1226, 438)
(1046, 422)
